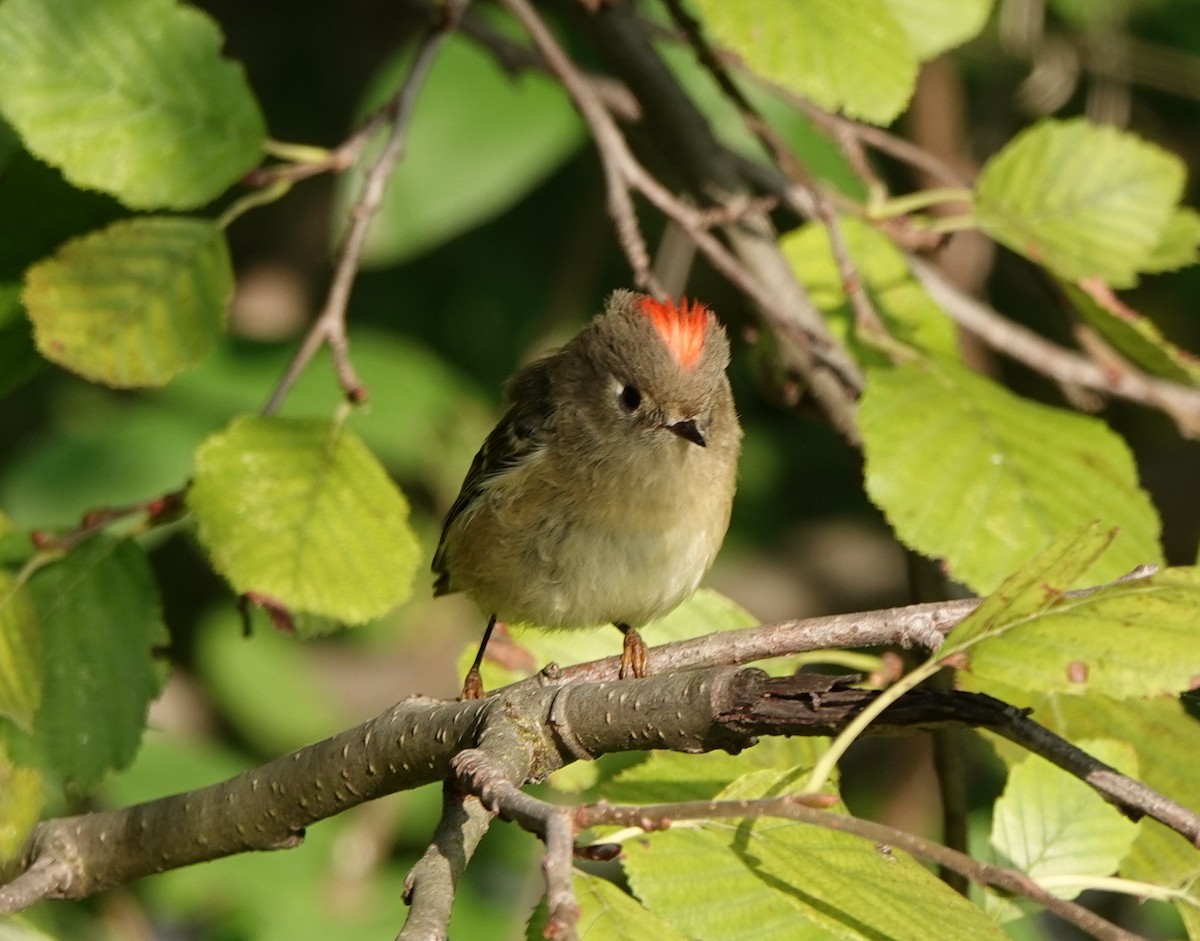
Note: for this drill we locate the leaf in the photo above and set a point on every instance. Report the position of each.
(1130, 334)
(1082, 199)
(908, 313)
(133, 304)
(130, 97)
(1032, 590)
(1048, 823)
(1180, 242)
(20, 653)
(480, 139)
(776, 879)
(705, 612)
(933, 26)
(101, 622)
(21, 800)
(849, 55)
(605, 912)
(300, 512)
(1138, 638)
(668, 777)
(972, 474)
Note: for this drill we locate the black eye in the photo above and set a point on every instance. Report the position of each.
(631, 398)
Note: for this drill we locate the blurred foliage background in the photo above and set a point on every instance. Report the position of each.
(495, 245)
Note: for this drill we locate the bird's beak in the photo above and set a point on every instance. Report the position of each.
(689, 431)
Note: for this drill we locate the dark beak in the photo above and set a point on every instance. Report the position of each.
(689, 431)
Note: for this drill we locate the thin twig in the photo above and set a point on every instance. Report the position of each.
(1007, 880)
(330, 326)
(1181, 403)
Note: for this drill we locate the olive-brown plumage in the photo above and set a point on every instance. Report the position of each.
(603, 494)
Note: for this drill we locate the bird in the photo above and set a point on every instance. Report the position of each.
(604, 493)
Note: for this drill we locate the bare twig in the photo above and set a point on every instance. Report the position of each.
(788, 807)
(330, 325)
(1179, 402)
(833, 377)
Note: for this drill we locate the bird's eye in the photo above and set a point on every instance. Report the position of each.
(630, 397)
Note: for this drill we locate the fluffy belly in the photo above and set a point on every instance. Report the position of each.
(578, 576)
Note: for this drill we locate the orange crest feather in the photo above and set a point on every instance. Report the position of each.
(682, 328)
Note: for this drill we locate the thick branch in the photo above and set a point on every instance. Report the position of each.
(414, 743)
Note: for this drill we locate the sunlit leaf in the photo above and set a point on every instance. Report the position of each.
(300, 513)
(850, 55)
(933, 26)
(972, 474)
(20, 653)
(131, 97)
(1083, 199)
(133, 304)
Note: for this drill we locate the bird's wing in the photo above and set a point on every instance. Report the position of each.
(518, 436)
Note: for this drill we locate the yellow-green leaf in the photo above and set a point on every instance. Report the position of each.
(20, 653)
(301, 514)
(969, 473)
(133, 304)
(1081, 199)
(130, 97)
(850, 55)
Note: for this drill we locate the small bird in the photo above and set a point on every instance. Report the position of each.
(604, 493)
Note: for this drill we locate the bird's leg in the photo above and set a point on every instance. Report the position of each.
(473, 682)
(634, 654)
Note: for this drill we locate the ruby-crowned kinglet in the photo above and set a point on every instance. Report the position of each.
(603, 494)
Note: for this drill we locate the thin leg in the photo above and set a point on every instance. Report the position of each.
(634, 653)
(473, 682)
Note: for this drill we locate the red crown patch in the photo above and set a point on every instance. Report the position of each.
(682, 328)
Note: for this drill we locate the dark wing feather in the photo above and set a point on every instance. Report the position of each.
(518, 435)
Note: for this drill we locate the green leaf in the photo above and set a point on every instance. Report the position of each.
(1033, 589)
(101, 622)
(1049, 823)
(605, 912)
(705, 612)
(130, 97)
(21, 800)
(133, 304)
(666, 777)
(933, 26)
(850, 55)
(20, 653)
(908, 313)
(1131, 334)
(1082, 199)
(773, 879)
(301, 513)
(1137, 638)
(972, 474)
(480, 139)
(1180, 242)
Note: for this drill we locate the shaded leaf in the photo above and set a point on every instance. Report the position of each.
(848, 55)
(99, 611)
(480, 139)
(972, 474)
(1082, 199)
(133, 304)
(1132, 335)
(300, 512)
(130, 97)
(1049, 823)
